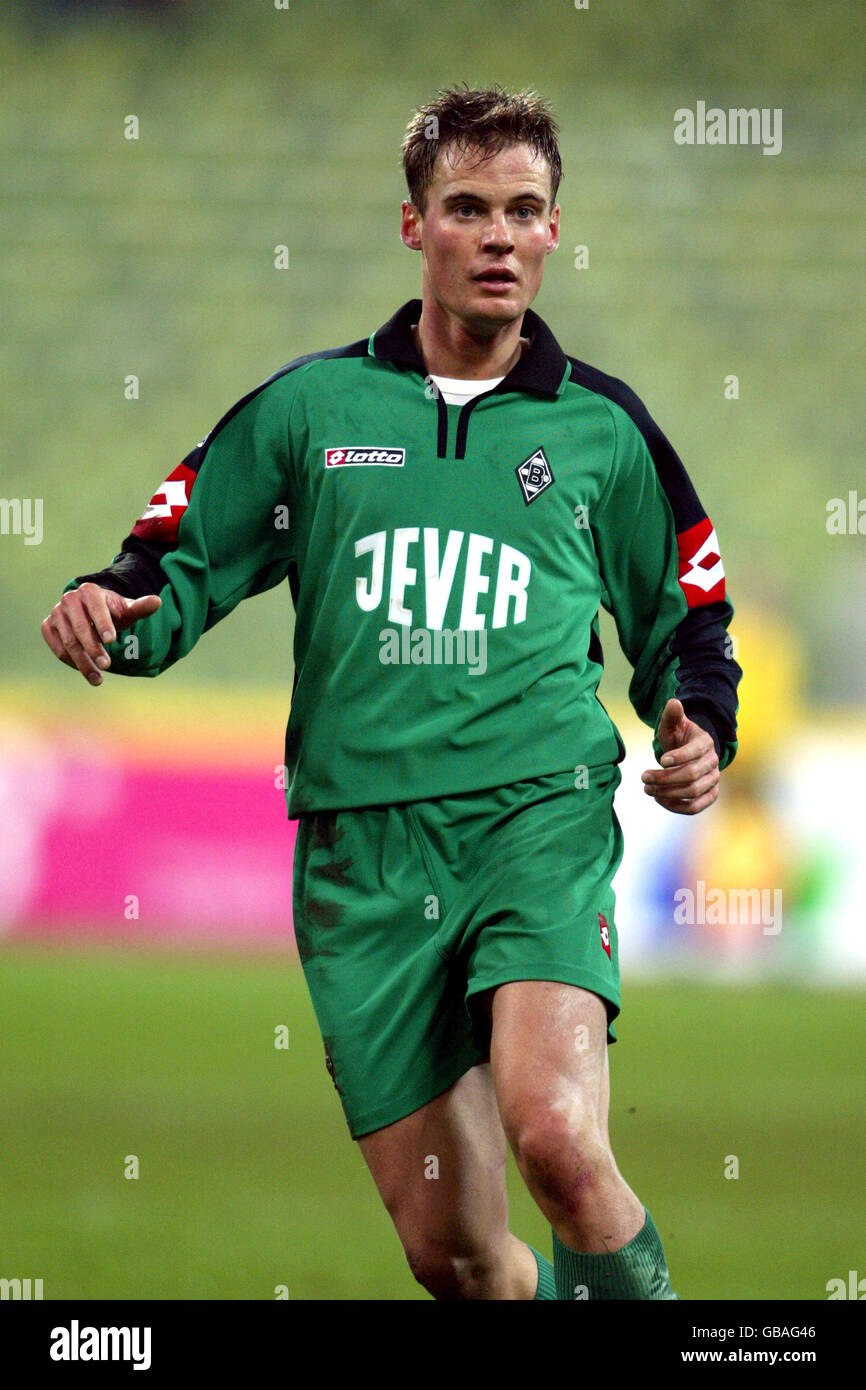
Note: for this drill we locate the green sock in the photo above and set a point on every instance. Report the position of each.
(546, 1280)
(638, 1270)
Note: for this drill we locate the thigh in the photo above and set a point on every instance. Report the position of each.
(549, 1053)
(441, 1170)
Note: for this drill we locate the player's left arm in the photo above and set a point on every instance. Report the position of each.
(688, 780)
(665, 586)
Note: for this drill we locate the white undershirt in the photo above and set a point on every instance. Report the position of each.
(456, 391)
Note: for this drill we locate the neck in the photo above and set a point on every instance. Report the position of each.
(450, 347)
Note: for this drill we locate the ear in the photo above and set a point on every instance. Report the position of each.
(553, 233)
(410, 226)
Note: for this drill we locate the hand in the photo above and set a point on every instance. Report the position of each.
(688, 781)
(77, 626)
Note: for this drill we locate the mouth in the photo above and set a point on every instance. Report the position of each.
(496, 278)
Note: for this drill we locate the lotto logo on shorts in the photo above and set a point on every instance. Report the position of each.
(604, 932)
(351, 456)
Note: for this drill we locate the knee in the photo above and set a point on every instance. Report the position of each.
(566, 1157)
(448, 1275)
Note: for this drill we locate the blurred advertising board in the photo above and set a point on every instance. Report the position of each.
(145, 819)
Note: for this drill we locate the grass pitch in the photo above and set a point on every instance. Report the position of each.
(247, 1179)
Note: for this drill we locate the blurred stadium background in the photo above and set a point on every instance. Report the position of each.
(147, 956)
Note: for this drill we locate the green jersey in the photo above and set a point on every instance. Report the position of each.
(447, 565)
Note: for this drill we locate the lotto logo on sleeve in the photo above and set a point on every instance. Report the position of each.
(701, 572)
(350, 456)
(161, 518)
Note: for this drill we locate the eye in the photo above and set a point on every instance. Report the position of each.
(529, 211)
(464, 207)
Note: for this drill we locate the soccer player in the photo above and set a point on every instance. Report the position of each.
(452, 499)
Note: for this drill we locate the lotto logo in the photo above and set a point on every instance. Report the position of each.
(604, 933)
(172, 494)
(701, 572)
(161, 518)
(353, 455)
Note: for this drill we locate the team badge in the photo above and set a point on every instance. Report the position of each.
(604, 933)
(534, 475)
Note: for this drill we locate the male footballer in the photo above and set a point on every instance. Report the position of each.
(452, 499)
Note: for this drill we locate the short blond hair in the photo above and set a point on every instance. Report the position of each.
(486, 121)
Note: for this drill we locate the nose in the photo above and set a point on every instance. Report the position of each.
(496, 234)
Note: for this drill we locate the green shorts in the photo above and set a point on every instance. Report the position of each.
(404, 914)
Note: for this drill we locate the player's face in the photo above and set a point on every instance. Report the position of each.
(485, 233)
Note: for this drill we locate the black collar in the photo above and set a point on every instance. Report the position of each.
(544, 367)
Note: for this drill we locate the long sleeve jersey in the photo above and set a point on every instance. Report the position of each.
(447, 565)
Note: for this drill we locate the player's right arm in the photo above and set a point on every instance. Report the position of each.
(86, 620)
(215, 532)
